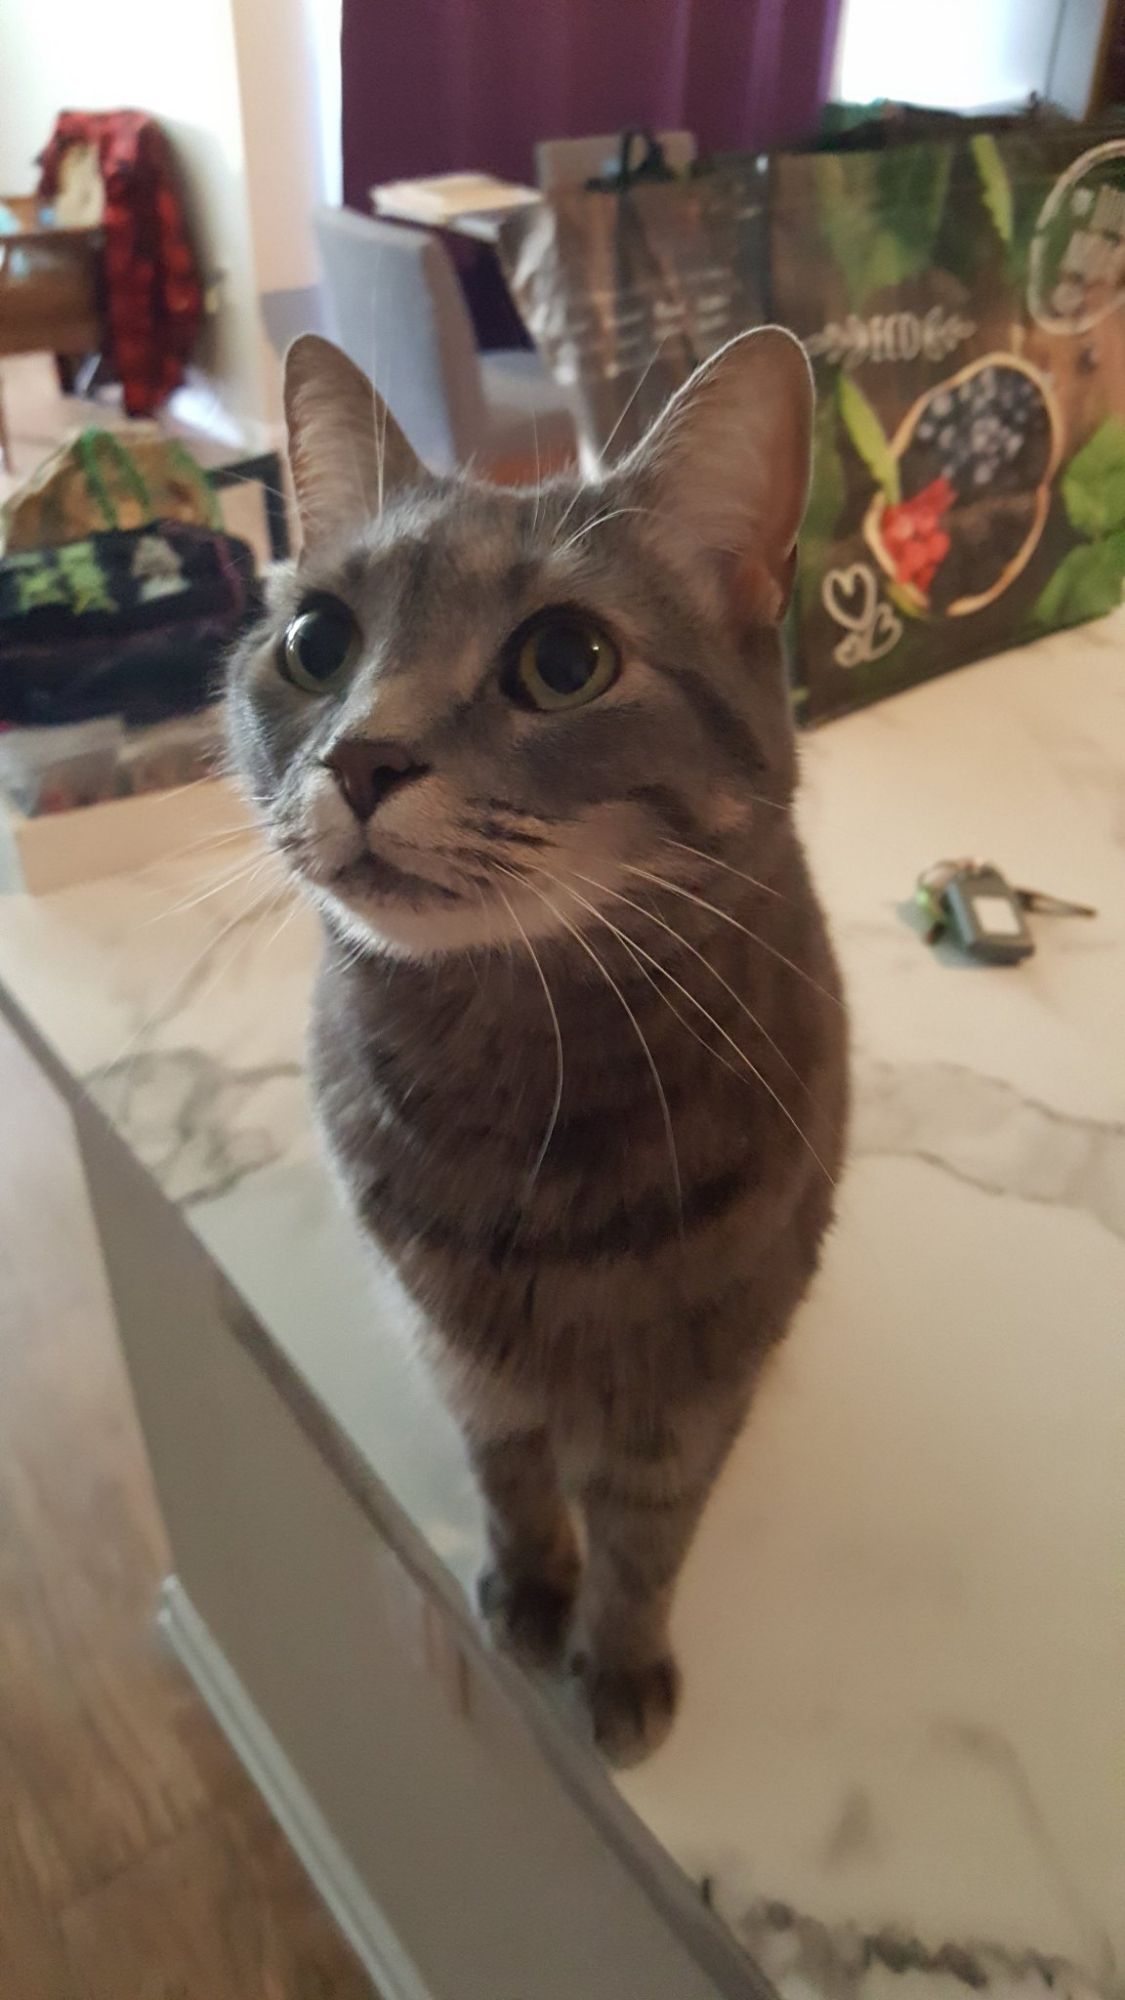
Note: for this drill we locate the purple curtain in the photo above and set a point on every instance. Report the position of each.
(433, 85)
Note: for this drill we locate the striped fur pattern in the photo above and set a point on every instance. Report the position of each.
(578, 1045)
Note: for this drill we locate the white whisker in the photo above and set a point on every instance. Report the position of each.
(650, 1059)
(245, 872)
(382, 451)
(725, 917)
(634, 954)
(379, 441)
(766, 888)
(599, 521)
(176, 791)
(623, 413)
(717, 1025)
(553, 1119)
(704, 961)
(290, 912)
(538, 473)
(175, 996)
(633, 394)
(352, 949)
(222, 837)
(250, 923)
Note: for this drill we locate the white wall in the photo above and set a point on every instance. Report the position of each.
(289, 88)
(963, 54)
(287, 62)
(248, 91)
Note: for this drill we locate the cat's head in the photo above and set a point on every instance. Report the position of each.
(470, 705)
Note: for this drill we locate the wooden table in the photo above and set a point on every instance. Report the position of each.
(50, 290)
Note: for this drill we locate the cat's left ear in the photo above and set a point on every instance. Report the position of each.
(726, 467)
(346, 452)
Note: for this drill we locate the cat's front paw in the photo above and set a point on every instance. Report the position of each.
(528, 1615)
(632, 1708)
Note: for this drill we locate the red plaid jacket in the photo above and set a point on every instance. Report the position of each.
(154, 299)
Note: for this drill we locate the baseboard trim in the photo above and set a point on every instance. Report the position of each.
(304, 1826)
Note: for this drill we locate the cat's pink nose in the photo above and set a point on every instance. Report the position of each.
(367, 769)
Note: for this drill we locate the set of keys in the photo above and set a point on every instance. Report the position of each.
(974, 905)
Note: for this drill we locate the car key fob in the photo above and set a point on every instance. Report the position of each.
(984, 914)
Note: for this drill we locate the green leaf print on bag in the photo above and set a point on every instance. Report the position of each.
(1086, 584)
(869, 438)
(1088, 581)
(880, 213)
(995, 185)
(1093, 485)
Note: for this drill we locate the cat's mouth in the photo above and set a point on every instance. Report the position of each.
(370, 876)
(362, 879)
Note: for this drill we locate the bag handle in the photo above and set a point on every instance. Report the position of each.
(93, 441)
(652, 166)
(90, 443)
(193, 472)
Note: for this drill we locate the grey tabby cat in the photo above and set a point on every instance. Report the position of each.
(578, 1046)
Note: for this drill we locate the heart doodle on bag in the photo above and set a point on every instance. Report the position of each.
(849, 595)
(872, 628)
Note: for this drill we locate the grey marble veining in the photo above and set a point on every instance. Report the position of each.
(841, 1961)
(199, 1125)
(986, 1132)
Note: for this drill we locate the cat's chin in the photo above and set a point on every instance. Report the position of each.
(376, 930)
(375, 927)
(374, 924)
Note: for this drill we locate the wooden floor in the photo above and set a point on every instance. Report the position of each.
(136, 1860)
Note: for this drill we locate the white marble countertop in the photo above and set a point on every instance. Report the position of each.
(901, 1758)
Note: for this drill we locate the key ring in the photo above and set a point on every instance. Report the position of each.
(973, 901)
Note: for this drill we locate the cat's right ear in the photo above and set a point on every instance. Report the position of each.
(346, 452)
(725, 469)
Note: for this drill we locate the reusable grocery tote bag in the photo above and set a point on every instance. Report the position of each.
(964, 307)
(625, 291)
(963, 302)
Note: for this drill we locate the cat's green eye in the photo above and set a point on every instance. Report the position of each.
(318, 645)
(560, 660)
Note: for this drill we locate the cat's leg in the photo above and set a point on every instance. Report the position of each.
(642, 1505)
(528, 1588)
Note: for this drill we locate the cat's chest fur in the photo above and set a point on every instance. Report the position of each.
(534, 1206)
